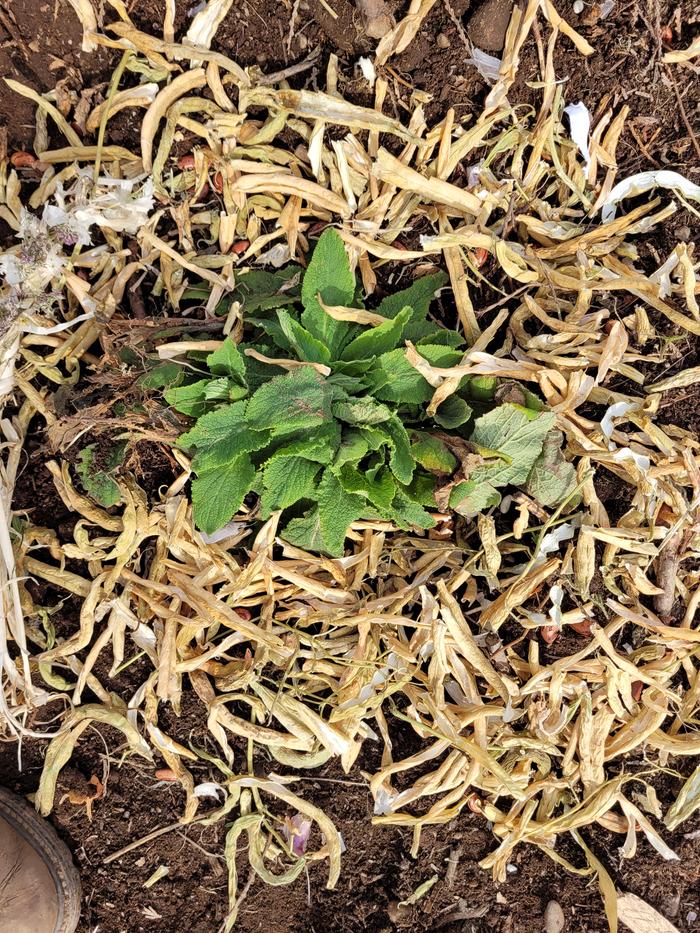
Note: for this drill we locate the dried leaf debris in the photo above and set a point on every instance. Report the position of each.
(311, 657)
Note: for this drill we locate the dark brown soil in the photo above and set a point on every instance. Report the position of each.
(378, 871)
(39, 44)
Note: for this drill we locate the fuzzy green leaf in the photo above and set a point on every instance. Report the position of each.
(377, 340)
(192, 399)
(297, 400)
(393, 379)
(400, 460)
(222, 436)
(353, 447)
(217, 390)
(432, 453)
(161, 376)
(363, 411)
(422, 489)
(95, 474)
(337, 510)
(301, 341)
(517, 436)
(417, 296)
(481, 388)
(406, 512)
(305, 532)
(453, 413)
(218, 493)
(286, 481)
(227, 361)
(257, 372)
(352, 385)
(437, 336)
(271, 327)
(319, 445)
(379, 489)
(189, 399)
(329, 275)
(551, 478)
(258, 290)
(471, 497)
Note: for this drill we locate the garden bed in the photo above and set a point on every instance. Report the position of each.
(382, 885)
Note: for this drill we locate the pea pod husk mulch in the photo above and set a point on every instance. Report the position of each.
(309, 658)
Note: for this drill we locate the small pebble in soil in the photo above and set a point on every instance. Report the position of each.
(488, 25)
(554, 919)
(671, 905)
(578, 7)
(443, 42)
(683, 233)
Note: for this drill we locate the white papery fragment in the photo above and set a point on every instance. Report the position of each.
(119, 207)
(580, 126)
(367, 68)
(383, 802)
(553, 540)
(556, 595)
(277, 256)
(641, 461)
(614, 411)
(474, 174)
(209, 789)
(144, 638)
(233, 528)
(488, 66)
(662, 276)
(645, 181)
(316, 148)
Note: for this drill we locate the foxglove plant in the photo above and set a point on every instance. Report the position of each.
(323, 415)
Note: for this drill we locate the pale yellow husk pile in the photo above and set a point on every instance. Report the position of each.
(403, 626)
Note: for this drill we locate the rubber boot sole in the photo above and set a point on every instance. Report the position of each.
(55, 853)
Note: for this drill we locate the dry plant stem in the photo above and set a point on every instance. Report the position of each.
(666, 575)
(458, 26)
(7, 20)
(149, 837)
(681, 107)
(292, 25)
